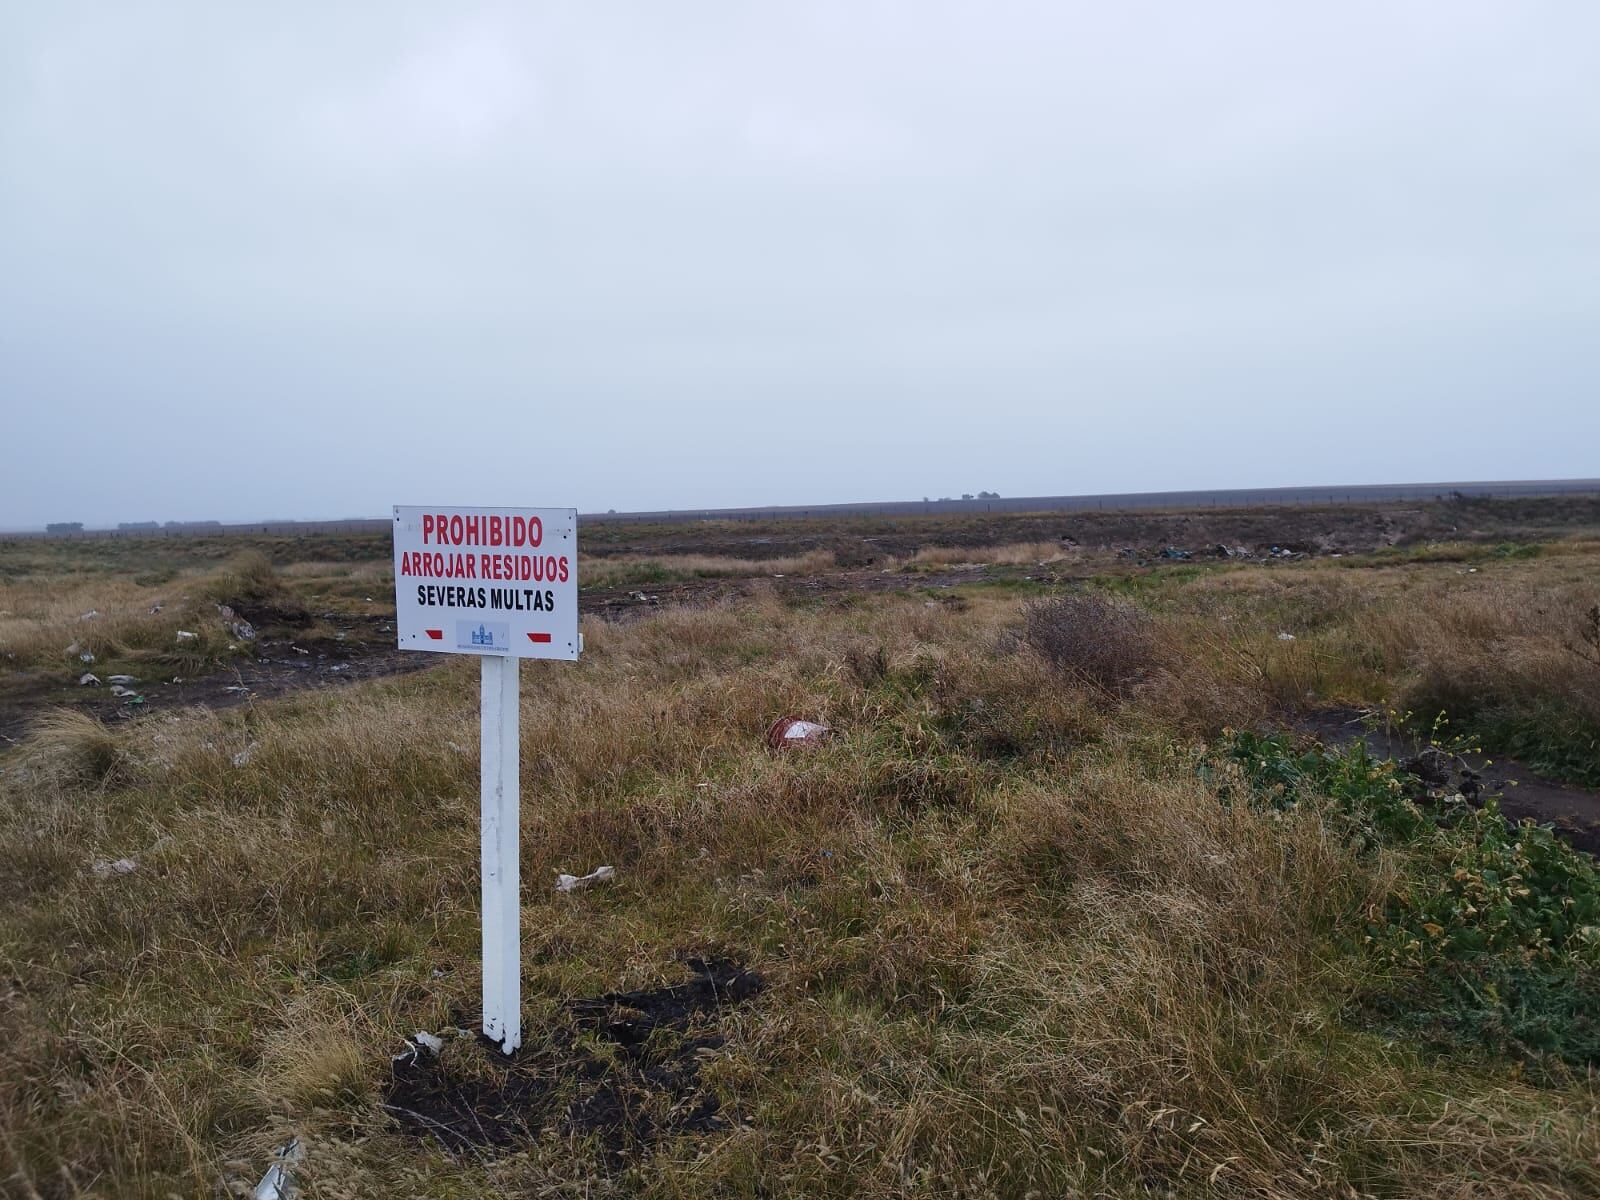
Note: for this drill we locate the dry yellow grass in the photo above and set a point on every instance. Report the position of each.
(1016, 554)
(1014, 943)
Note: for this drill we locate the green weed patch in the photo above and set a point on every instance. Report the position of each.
(1492, 932)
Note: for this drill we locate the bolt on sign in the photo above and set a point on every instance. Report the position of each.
(501, 583)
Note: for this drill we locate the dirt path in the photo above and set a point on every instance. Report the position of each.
(1573, 811)
(363, 647)
(281, 664)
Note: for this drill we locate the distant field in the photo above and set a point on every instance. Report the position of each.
(987, 504)
(1093, 889)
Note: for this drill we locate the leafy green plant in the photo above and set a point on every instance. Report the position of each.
(1366, 793)
(1492, 932)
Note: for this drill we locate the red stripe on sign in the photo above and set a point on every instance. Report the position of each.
(436, 634)
(538, 637)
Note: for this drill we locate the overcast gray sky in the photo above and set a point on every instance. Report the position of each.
(312, 260)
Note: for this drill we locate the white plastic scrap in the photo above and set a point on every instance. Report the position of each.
(571, 883)
(185, 636)
(119, 691)
(419, 1044)
(105, 869)
(244, 756)
(277, 1183)
(121, 679)
(1286, 637)
(90, 615)
(89, 679)
(799, 731)
(86, 657)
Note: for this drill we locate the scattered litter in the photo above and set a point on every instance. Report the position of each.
(155, 608)
(243, 630)
(1174, 552)
(339, 667)
(185, 636)
(1286, 637)
(277, 1183)
(90, 615)
(88, 679)
(297, 650)
(124, 679)
(572, 883)
(106, 868)
(369, 599)
(237, 688)
(792, 731)
(244, 756)
(119, 691)
(86, 656)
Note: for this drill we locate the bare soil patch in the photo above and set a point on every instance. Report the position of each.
(1522, 794)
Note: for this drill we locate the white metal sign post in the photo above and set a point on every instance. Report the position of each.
(501, 583)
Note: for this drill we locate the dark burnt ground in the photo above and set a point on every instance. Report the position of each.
(1574, 812)
(1310, 528)
(628, 603)
(623, 1068)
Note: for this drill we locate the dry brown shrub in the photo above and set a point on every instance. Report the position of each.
(1104, 643)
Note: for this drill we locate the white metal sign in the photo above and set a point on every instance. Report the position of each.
(487, 580)
(501, 583)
